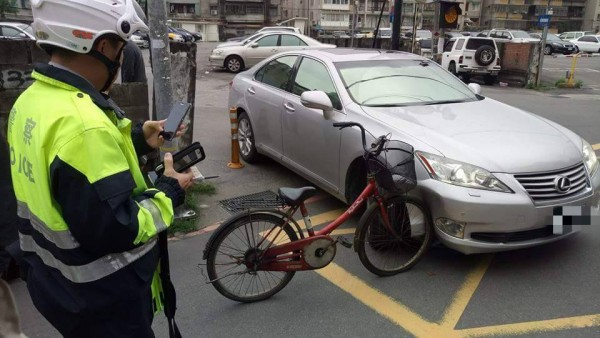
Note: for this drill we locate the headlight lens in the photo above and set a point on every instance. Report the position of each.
(459, 173)
(589, 158)
(217, 51)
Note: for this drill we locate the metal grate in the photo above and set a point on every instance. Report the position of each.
(259, 200)
(542, 186)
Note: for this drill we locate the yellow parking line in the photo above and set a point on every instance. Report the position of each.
(382, 304)
(322, 218)
(463, 296)
(596, 146)
(534, 327)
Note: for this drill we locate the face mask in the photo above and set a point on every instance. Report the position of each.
(111, 66)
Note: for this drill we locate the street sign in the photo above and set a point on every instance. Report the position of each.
(544, 20)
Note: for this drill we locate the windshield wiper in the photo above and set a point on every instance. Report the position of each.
(445, 102)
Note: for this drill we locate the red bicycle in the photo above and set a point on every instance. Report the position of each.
(255, 253)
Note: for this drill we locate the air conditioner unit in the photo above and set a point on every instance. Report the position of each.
(213, 12)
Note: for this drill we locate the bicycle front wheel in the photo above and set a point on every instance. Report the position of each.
(233, 256)
(385, 251)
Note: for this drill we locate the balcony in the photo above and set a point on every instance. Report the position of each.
(336, 7)
(517, 2)
(512, 16)
(249, 18)
(335, 24)
(500, 15)
(500, 2)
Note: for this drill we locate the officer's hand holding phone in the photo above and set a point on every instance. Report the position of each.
(185, 179)
(152, 132)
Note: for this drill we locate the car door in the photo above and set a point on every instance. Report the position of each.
(588, 43)
(261, 49)
(264, 98)
(448, 54)
(310, 144)
(291, 42)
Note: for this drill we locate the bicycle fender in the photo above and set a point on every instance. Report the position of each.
(241, 215)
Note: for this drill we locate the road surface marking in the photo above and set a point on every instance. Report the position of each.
(542, 326)
(398, 313)
(463, 296)
(323, 218)
(596, 146)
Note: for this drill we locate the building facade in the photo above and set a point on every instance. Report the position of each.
(591, 19)
(523, 14)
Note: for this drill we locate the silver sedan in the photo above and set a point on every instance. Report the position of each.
(236, 56)
(491, 175)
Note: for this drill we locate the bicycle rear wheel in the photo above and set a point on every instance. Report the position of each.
(236, 249)
(387, 253)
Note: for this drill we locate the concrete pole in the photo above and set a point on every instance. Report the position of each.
(538, 79)
(161, 64)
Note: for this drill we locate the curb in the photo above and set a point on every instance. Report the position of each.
(573, 55)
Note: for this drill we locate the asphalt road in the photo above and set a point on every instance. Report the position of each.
(545, 291)
(587, 69)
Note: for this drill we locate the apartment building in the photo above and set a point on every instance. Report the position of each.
(196, 16)
(523, 14)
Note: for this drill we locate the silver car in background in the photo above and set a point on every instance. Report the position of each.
(236, 56)
(490, 174)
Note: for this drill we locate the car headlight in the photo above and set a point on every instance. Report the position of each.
(458, 173)
(217, 51)
(589, 158)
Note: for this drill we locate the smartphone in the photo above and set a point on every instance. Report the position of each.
(176, 116)
(184, 158)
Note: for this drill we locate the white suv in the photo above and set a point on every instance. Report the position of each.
(511, 35)
(470, 56)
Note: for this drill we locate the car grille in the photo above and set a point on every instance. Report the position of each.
(507, 237)
(568, 46)
(542, 187)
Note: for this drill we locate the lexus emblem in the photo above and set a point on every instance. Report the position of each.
(562, 184)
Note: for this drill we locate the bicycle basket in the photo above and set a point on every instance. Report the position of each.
(394, 168)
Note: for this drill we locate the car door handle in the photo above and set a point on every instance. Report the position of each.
(251, 91)
(289, 107)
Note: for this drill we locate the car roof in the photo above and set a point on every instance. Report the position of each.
(358, 54)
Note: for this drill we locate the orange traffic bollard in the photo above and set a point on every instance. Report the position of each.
(235, 145)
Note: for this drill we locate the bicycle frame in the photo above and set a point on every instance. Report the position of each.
(275, 258)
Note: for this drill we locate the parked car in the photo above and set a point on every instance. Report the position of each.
(340, 35)
(247, 39)
(187, 36)
(426, 48)
(483, 34)
(235, 58)
(280, 29)
(568, 36)
(555, 45)
(510, 35)
(140, 39)
(490, 174)
(588, 43)
(197, 36)
(16, 30)
(469, 56)
(384, 33)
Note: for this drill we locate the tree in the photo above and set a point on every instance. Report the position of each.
(7, 6)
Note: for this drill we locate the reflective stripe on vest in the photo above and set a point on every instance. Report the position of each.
(90, 272)
(62, 239)
(156, 215)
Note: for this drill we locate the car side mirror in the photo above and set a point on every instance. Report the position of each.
(475, 88)
(317, 99)
(23, 35)
(254, 45)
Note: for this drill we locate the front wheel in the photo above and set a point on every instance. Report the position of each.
(234, 64)
(234, 256)
(385, 251)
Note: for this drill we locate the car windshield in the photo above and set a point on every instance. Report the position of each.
(391, 83)
(552, 37)
(520, 34)
(252, 38)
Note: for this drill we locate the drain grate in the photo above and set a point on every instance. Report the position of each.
(264, 199)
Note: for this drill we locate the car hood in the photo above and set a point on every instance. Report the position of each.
(229, 44)
(486, 133)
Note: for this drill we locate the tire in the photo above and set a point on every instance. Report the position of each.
(376, 246)
(452, 68)
(466, 78)
(225, 262)
(548, 50)
(234, 64)
(485, 55)
(246, 139)
(489, 80)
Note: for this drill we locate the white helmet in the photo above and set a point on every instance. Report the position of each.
(76, 24)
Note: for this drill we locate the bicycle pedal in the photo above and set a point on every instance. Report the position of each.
(344, 242)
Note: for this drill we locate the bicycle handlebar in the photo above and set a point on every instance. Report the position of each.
(378, 145)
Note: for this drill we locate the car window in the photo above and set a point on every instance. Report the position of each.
(448, 46)
(290, 40)
(578, 35)
(475, 43)
(10, 32)
(459, 44)
(493, 35)
(313, 75)
(277, 72)
(587, 38)
(506, 35)
(268, 41)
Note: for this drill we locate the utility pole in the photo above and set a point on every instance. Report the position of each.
(376, 36)
(414, 30)
(161, 63)
(549, 12)
(396, 25)
(354, 17)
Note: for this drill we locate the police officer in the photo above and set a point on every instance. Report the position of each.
(87, 221)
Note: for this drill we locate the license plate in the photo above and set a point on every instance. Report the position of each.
(570, 218)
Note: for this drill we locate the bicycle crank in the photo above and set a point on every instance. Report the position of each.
(319, 252)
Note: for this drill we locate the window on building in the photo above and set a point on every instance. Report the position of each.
(273, 11)
(335, 2)
(235, 9)
(254, 9)
(182, 8)
(214, 10)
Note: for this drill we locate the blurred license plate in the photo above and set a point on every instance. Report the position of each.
(570, 218)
